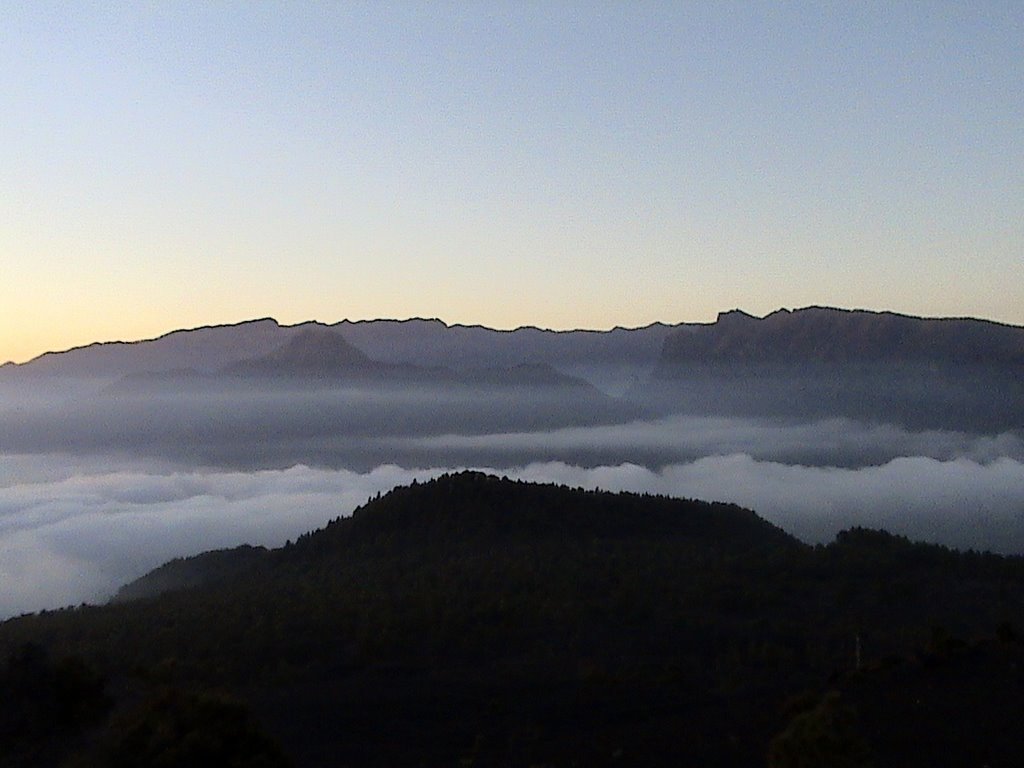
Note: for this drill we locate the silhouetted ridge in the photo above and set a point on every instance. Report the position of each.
(836, 335)
(472, 508)
(473, 511)
(205, 348)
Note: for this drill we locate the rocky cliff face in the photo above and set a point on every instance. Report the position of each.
(822, 334)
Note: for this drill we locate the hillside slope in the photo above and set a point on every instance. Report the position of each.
(478, 619)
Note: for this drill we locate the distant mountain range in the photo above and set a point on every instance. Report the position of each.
(812, 334)
(603, 357)
(816, 362)
(822, 334)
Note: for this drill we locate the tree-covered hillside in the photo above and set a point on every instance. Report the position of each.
(479, 621)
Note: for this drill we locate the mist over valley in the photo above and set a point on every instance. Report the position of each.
(511, 385)
(117, 457)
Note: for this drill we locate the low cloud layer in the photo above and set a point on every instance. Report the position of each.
(75, 530)
(961, 503)
(67, 539)
(829, 442)
(361, 427)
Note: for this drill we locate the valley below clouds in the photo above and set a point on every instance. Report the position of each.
(74, 526)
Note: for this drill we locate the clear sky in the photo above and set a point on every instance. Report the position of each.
(174, 164)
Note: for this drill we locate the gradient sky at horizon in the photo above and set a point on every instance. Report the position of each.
(168, 165)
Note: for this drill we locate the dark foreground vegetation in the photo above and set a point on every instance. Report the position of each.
(476, 621)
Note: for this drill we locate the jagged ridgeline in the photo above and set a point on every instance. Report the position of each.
(950, 373)
(478, 620)
(261, 395)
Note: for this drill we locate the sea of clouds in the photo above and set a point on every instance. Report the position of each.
(74, 528)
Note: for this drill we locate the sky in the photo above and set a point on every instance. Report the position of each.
(566, 165)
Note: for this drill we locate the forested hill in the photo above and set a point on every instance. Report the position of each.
(481, 621)
(476, 512)
(479, 510)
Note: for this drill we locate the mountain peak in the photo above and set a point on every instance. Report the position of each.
(734, 316)
(314, 351)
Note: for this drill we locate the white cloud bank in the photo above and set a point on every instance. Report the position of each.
(75, 532)
(833, 442)
(66, 539)
(961, 503)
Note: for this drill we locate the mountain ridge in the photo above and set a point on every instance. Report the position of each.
(345, 322)
(318, 354)
(828, 334)
(609, 358)
(816, 362)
